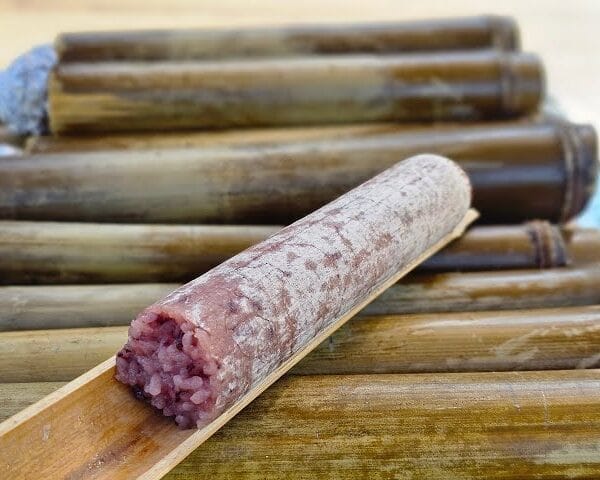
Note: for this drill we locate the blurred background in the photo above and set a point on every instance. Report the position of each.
(564, 33)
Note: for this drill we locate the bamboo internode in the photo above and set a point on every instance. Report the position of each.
(452, 342)
(78, 306)
(63, 253)
(169, 95)
(296, 40)
(519, 172)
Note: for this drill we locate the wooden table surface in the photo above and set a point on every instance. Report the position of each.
(564, 33)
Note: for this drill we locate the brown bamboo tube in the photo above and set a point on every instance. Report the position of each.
(518, 172)
(135, 96)
(446, 426)
(46, 252)
(316, 39)
(16, 396)
(77, 306)
(202, 138)
(583, 245)
(71, 306)
(10, 138)
(484, 341)
(510, 425)
(478, 291)
(250, 136)
(49, 252)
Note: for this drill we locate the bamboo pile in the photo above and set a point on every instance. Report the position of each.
(168, 152)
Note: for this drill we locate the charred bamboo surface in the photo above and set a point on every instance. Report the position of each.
(518, 172)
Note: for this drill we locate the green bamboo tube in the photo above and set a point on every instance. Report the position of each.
(509, 425)
(310, 90)
(453, 342)
(518, 172)
(315, 39)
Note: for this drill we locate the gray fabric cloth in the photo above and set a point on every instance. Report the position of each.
(24, 91)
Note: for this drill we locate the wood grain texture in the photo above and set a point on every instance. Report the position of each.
(483, 32)
(134, 96)
(512, 425)
(84, 253)
(562, 338)
(518, 172)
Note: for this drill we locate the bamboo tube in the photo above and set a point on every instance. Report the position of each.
(226, 138)
(486, 341)
(534, 244)
(71, 306)
(78, 306)
(316, 39)
(16, 396)
(518, 172)
(511, 425)
(47, 252)
(81, 415)
(135, 96)
(252, 136)
(583, 245)
(9, 138)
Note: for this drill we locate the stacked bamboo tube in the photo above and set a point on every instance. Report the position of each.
(141, 186)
